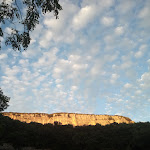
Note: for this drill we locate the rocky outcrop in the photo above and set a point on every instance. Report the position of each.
(68, 118)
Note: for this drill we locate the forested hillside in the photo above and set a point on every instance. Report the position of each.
(57, 137)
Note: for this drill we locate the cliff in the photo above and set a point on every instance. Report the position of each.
(68, 118)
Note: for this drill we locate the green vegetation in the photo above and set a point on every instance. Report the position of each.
(3, 101)
(22, 23)
(111, 137)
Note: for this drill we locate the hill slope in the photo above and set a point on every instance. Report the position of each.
(31, 136)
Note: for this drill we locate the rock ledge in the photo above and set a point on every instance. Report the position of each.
(68, 118)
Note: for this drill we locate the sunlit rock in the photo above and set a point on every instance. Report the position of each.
(68, 118)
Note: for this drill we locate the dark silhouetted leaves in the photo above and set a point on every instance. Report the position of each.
(3, 101)
(11, 13)
(57, 137)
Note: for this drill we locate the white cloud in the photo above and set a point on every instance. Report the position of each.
(109, 39)
(31, 53)
(24, 62)
(139, 54)
(8, 30)
(114, 78)
(138, 92)
(145, 12)
(85, 15)
(119, 30)
(101, 4)
(79, 66)
(57, 72)
(96, 69)
(145, 80)
(74, 88)
(47, 59)
(128, 85)
(107, 21)
(148, 61)
(141, 51)
(126, 64)
(143, 47)
(12, 71)
(74, 64)
(58, 81)
(74, 57)
(144, 15)
(53, 23)
(8, 1)
(45, 40)
(3, 56)
(125, 6)
(59, 86)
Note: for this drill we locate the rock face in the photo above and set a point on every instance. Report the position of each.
(68, 118)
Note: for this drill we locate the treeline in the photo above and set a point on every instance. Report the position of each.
(57, 137)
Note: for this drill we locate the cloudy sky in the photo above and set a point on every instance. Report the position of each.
(94, 59)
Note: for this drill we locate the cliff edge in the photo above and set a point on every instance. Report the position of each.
(68, 118)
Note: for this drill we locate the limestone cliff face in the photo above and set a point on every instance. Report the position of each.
(68, 118)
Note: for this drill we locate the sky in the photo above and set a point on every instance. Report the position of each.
(94, 59)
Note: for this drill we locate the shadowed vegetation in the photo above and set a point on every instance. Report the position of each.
(111, 137)
(3, 101)
(21, 18)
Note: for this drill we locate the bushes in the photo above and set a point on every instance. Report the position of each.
(57, 137)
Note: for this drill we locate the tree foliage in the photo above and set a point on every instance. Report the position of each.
(56, 137)
(3, 101)
(22, 17)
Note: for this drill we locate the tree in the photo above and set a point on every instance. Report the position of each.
(21, 23)
(3, 101)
